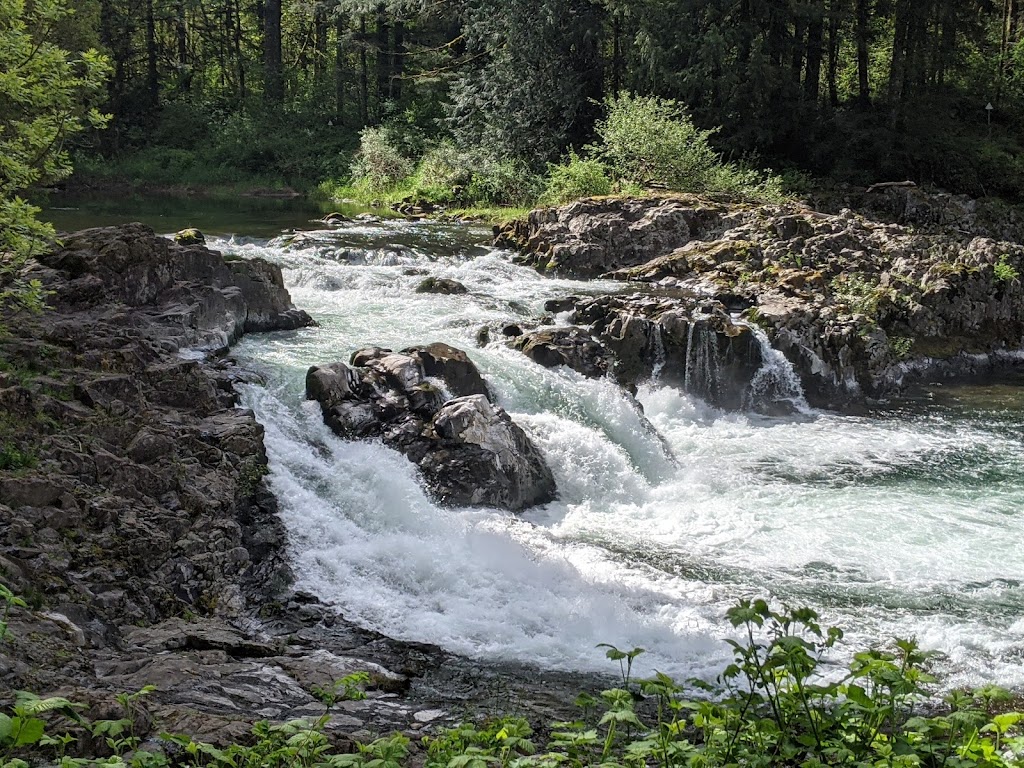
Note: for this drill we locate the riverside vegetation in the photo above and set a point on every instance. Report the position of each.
(771, 706)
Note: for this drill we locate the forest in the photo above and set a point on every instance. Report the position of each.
(211, 92)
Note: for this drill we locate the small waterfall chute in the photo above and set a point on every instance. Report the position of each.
(700, 376)
(776, 381)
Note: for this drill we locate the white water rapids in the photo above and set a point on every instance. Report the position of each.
(908, 522)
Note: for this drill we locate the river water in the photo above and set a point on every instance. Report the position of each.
(906, 521)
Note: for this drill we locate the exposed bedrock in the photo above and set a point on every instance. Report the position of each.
(860, 307)
(694, 345)
(432, 404)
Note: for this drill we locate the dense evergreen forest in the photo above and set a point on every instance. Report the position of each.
(213, 91)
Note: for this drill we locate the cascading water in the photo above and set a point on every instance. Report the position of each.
(656, 345)
(900, 523)
(701, 377)
(776, 381)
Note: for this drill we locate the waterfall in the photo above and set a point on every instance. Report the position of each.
(776, 381)
(702, 360)
(656, 346)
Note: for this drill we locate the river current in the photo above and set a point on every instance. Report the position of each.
(905, 521)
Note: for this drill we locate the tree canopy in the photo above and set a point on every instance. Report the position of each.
(45, 95)
(864, 90)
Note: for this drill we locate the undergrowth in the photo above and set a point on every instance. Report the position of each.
(769, 707)
(645, 146)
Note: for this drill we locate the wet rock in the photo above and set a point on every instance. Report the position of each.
(441, 285)
(859, 306)
(432, 404)
(511, 330)
(571, 347)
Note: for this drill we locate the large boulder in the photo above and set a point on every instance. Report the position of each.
(432, 404)
(195, 295)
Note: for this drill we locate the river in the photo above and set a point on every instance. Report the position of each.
(906, 520)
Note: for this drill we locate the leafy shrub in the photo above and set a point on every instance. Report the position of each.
(379, 164)
(503, 182)
(574, 179)
(645, 140)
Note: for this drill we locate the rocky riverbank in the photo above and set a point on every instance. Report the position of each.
(135, 521)
(859, 305)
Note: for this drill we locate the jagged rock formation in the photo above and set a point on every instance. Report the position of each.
(135, 521)
(857, 305)
(431, 404)
(681, 341)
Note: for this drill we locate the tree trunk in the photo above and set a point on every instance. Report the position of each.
(152, 78)
(812, 80)
(835, 13)
(397, 60)
(273, 88)
(319, 41)
(181, 33)
(383, 60)
(897, 67)
(340, 28)
(364, 74)
(863, 55)
(237, 45)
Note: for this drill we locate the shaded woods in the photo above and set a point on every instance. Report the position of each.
(862, 90)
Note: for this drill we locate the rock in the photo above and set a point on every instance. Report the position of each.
(595, 236)
(483, 336)
(468, 449)
(511, 330)
(452, 366)
(859, 306)
(485, 459)
(441, 285)
(571, 347)
(189, 236)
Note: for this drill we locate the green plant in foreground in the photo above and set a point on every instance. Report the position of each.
(1005, 272)
(10, 600)
(769, 707)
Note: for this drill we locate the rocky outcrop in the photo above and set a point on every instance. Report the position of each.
(431, 404)
(135, 522)
(187, 294)
(680, 341)
(591, 237)
(859, 306)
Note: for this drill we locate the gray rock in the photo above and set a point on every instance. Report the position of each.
(468, 449)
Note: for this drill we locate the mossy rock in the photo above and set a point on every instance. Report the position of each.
(190, 236)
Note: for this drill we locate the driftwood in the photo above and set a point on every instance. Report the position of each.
(890, 185)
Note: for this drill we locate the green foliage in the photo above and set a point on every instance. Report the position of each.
(43, 95)
(13, 457)
(379, 164)
(769, 707)
(9, 601)
(1005, 272)
(648, 140)
(575, 178)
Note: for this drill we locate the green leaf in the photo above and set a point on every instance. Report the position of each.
(28, 731)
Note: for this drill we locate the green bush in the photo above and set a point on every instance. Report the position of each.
(647, 140)
(574, 179)
(379, 164)
(503, 182)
